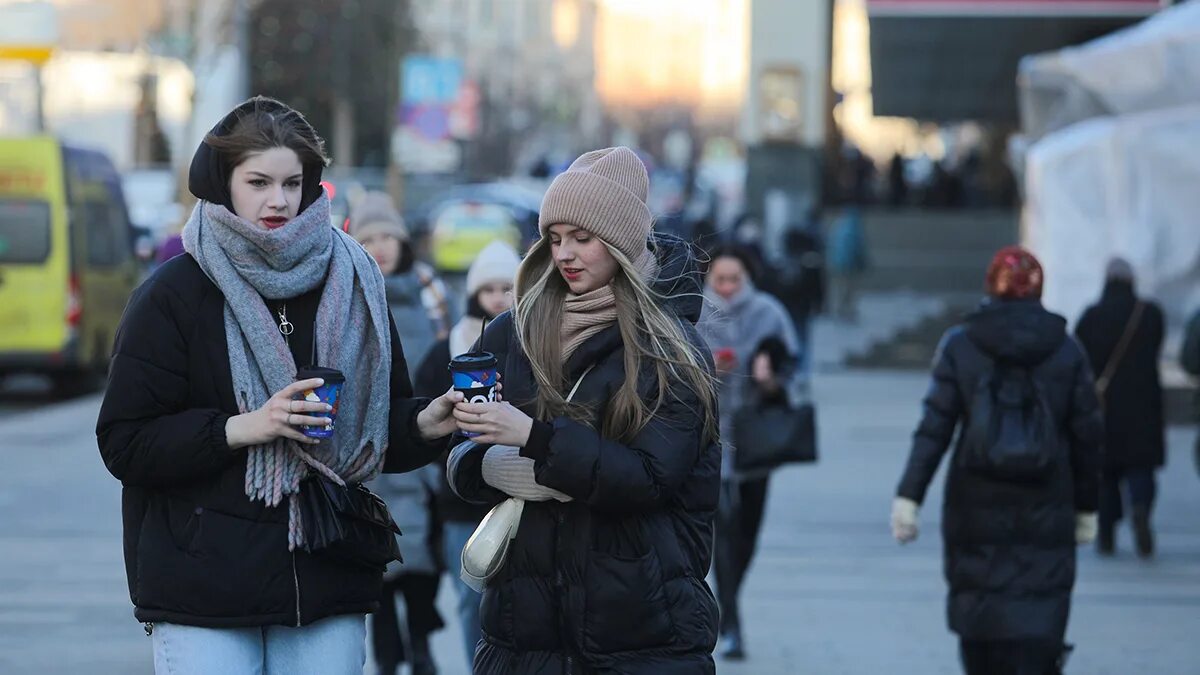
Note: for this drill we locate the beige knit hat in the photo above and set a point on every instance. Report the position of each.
(373, 213)
(603, 192)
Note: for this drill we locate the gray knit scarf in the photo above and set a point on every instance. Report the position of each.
(249, 263)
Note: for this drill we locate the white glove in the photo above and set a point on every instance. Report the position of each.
(1085, 528)
(904, 519)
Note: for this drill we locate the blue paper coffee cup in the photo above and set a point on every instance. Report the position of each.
(474, 374)
(327, 393)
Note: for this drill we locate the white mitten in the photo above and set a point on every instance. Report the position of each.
(904, 519)
(1085, 528)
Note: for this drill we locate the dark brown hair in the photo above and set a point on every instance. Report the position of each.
(269, 124)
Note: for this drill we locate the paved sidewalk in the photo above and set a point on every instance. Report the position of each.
(830, 593)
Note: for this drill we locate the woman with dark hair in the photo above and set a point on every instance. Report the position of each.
(1023, 481)
(610, 443)
(204, 422)
(738, 320)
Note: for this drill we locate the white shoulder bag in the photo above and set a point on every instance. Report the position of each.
(485, 552)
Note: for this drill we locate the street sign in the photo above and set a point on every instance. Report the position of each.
(428, 80)
(438, 107)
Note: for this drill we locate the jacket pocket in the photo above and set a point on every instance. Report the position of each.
(626, 607)
(225, 566)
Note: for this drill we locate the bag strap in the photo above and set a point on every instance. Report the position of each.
(1118, 354)
(579, 382)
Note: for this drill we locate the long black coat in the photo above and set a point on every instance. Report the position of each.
(612, 582)
(1133, 410)
(197, 550)
(1010, 547)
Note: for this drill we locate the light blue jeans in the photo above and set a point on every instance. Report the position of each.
(454, 538)
(333, 646)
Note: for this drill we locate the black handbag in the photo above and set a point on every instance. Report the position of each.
(349, 523)
(767, 437)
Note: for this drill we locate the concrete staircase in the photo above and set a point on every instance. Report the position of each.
(939, 252)
(926, 274)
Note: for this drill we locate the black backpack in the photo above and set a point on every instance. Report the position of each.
(1011, 432)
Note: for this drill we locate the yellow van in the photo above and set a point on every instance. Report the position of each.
(66, 259)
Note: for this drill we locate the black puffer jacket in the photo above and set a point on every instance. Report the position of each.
(197, 550)
(612, 582)
(1010, 546)
(1133, 411)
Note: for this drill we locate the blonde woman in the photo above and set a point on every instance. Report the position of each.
(606, 573)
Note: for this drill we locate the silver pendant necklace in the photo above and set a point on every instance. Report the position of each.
(285, 326)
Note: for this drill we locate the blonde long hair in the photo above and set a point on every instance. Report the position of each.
(649, 332)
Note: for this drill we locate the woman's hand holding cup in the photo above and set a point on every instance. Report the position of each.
(498, 423)
(280, 417)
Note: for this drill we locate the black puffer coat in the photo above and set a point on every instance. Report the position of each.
(612, 582)
(1133, 411)
(1010, 546)
(197, 550)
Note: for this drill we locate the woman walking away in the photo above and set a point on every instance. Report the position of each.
(489, 294)
(606, 573)
(738, 318)
(1022, 487)
(1123, 336)
(415, 295)
(204, 422)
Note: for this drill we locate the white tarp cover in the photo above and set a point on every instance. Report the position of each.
(1127, 186)
(1152, 65)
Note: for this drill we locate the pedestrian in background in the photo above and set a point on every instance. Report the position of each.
(804, 282)
(201, 425)
(847, 262)
(736, 321)
(404, 638)
(606, 572)
(416, 296)
(1123, 335)
(1023, 481)
(489, 294)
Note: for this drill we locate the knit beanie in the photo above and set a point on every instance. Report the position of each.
(603, 192)
(1014, 274)
(374, 213)
(496, 262)
(1119, 269)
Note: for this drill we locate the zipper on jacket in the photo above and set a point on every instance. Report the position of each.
(560, 584)
(148, 626)
(296, 580)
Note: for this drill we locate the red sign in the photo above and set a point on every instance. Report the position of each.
(1014, 8)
